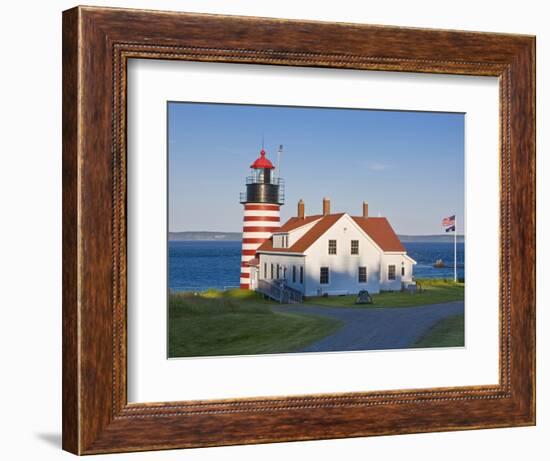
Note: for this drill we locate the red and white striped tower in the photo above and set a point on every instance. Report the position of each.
(262, 201)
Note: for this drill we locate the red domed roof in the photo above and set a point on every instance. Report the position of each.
(262, 162)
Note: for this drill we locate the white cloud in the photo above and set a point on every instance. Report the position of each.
(376, 166)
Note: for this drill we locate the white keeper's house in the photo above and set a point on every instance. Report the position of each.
(326, 254)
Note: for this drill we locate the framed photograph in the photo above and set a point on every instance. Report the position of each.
(281, 230)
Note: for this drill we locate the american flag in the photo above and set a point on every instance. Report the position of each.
(448, 221)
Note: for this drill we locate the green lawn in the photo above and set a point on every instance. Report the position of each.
(237, 322)
(434, 291)
(448, 332)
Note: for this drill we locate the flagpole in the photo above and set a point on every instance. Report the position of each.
(455, 246)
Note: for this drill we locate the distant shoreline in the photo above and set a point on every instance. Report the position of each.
(443, 238)
(210, 236)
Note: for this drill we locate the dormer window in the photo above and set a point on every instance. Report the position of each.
(280, 241)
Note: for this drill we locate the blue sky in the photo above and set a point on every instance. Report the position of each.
(409, 166)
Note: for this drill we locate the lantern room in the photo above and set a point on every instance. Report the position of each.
(262, 186)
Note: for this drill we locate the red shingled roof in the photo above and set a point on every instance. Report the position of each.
(308, 239)
(379, 229)
(252, 262)
(295, 223)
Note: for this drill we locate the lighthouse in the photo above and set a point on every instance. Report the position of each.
(262, 201)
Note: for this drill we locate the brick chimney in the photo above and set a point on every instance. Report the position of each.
(365, 210)
(301, 209)
(326, 206)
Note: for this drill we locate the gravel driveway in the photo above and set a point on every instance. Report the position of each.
(376, 328)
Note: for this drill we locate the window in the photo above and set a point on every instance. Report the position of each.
(301, 274)
(402, 271)
(332, 247)
(279, 271)
(271, 271)
(265, 270)
(324, 275)
(391, 272)
(280, 240)
(284, 272)
(362, 274)
(355, 247)
(293, 274)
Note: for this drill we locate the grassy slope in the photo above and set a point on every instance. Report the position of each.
(238, 322)
(448, 332)
(434, 291)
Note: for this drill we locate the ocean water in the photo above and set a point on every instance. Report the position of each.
(198, 265)
(426, 253)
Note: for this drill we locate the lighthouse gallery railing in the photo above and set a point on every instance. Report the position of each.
(256, 180)
(280, 182)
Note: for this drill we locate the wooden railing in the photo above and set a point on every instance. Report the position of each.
(279, 292)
